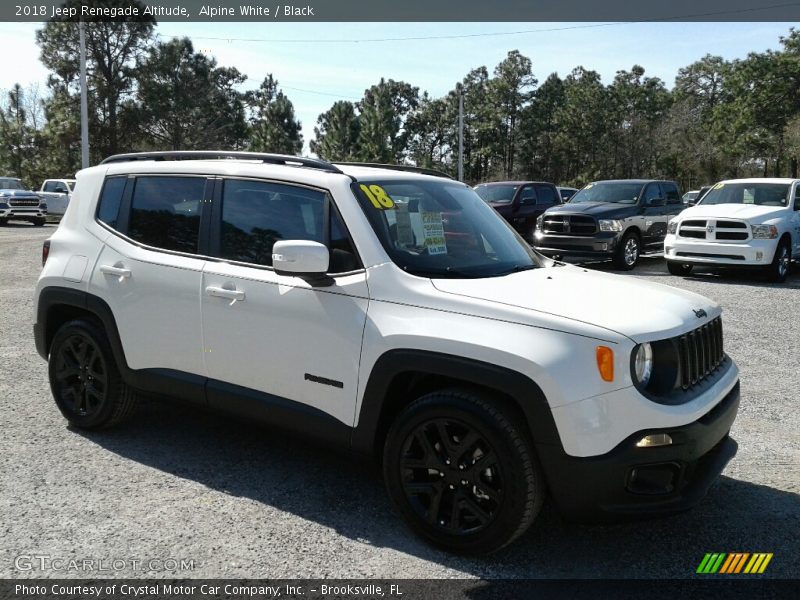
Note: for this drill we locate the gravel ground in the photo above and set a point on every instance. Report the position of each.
(242, 501)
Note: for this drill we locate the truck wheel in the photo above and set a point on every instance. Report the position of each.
(627, 254)
(462, 473)
(778, 271)
(3, 222)
(39, 222)
(85, 381)
(676, 268)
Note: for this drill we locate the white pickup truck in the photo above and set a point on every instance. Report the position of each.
(738, 223)
(57, 193)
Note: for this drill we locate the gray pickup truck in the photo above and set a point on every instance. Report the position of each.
(19, 204)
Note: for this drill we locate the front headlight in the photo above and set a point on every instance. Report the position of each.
(765, 232)
(643, 363)
(539, 222)
(672, 226)
(610, 225)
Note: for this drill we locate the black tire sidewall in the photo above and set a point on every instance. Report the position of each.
(512, 510)
(680, 269)
(106, 411)
(773, 269)
(619, 258)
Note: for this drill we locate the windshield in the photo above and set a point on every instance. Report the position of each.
(608, 191)
(764, 194)
(501, 194)
(10, 184)
(442, 228)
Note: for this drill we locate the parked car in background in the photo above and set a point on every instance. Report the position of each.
(520, 202)
(19, 204)
(57, 193)
(739, 223)
(617, 220)
(691, 197)
(566, 193)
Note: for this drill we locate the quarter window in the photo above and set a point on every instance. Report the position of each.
(110, 200)
(165, 212)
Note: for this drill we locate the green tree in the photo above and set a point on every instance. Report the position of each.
(112, 49)
(336, 133)
(188, 102)
(273, 126)
(382, 135)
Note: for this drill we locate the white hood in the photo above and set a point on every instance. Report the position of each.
(749, 212)
(640, 310)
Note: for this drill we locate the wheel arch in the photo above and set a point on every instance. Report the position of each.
(401, 376)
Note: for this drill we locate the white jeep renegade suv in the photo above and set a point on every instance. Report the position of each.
(393, 313)
(738, 223)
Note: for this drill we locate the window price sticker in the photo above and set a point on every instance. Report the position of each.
(433, 232)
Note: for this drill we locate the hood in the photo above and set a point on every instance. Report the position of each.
(18, 193)
(640, 310)
(753, 212)
(605, 209)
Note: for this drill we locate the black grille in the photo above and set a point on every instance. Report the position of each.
(731, 225)
(731, 235)
(25, 202)
(700, 353)
(569, 224)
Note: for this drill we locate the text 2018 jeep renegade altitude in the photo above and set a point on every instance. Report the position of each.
(392, 313)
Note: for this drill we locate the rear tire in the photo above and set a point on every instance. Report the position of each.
(86, 383)
(680, 269)
(462, 473)
(39, 222)
(778, 271)
(627, 253)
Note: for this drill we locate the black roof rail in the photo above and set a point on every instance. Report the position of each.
(274, 159)
(410, 168)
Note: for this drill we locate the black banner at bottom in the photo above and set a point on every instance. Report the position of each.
(400, 589)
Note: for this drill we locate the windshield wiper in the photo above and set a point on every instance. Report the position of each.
(517, 269)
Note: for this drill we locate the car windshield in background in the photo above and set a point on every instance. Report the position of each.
(440, 228)
(764, 194)
(10, 184)
(501, 194)
(623, 193)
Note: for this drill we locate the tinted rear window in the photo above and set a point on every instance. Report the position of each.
(110, 200)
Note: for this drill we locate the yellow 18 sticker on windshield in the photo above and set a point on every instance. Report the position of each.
(378, 196)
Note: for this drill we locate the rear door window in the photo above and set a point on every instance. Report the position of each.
(545, 195)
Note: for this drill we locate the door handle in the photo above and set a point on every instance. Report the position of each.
(233, 295)
(117, 270)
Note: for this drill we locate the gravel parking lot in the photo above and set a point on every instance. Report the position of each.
(242, 501)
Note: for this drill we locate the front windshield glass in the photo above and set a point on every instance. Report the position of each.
(441, 228)
(10, 184)
(608, 191)
(501, 194)
(764, 194)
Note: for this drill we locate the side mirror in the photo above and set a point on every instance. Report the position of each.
(657, 202)
(303, 258)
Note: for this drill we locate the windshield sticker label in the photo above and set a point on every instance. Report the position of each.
(378, 196)
(433, 232)
(588, 187)
(719, 186)
(405, 233)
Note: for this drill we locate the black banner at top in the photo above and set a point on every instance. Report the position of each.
(402, 10)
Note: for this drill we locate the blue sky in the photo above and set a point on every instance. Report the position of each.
(314, 74)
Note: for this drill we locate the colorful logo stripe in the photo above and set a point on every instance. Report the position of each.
(734, 562)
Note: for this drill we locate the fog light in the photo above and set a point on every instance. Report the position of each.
(656, 439)
(604, 246)
(759, 255)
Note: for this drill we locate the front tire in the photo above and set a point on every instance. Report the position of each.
(778, 271)
(85, 381)
(680, 269)
(628, 250)
(462, 473)
(39, 222)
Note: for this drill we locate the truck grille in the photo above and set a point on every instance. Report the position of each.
(715, 230)
(24, 202)
(569, 224)
(700, 353)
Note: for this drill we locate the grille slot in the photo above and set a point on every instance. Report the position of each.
(25, 202)
(700, 353)
(569, 224)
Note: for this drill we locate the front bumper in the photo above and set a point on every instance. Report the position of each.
(700, 252)
(633, 482)
(27, 212)
(599, 246)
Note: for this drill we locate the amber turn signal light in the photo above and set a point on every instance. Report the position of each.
(605, 362)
